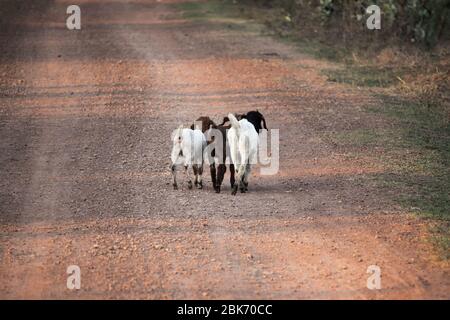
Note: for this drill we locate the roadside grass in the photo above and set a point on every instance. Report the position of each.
(217, 11)
(363, 76)
(416, 148)
(204, 10)
(416, 154)
(440, 237)
(425, 136)
(358, 138)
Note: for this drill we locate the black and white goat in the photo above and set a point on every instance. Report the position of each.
(243, 141)
(254, 117)
(187, 150)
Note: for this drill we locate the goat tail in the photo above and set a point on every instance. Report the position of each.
(264, 123)
(225, 120)
(234, 122)
(178, 132)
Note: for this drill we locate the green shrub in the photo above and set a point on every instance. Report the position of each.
(420, 21)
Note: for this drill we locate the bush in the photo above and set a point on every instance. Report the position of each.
(420, 21)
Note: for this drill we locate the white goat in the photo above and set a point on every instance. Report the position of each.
(243, 141)
(187, 150)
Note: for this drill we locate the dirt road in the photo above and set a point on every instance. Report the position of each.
(85, 122)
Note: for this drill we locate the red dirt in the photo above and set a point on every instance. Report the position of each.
(85, 122)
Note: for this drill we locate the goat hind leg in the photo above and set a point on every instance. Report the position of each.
(242, 178)
(232, 179)
(195, 169)
(212, 168)
(199, 176)
(248, 169)
(237, 176)
(174, 174)
(220, 174)
(188, 174)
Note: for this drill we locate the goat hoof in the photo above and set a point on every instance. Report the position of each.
(175, 187)
(190, 184)
(234, 191)
(200, 186)
(217, 189)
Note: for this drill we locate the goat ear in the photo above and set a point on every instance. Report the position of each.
(264, 122)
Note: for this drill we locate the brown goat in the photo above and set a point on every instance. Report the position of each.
(217, 176)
